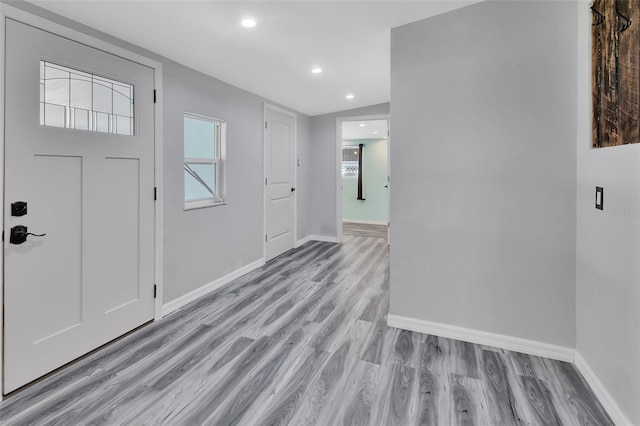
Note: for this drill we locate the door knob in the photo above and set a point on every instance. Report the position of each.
(293, 190)
(19, 234)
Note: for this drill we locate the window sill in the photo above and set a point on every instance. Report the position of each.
(202, 204)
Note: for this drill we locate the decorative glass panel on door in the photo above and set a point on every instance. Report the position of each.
(77, 100)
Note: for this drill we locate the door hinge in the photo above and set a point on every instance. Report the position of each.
(155, 97)
(265, 238)
(2, 235)
(155, 193)
(155, 291)
(265, 181)
(265, 124)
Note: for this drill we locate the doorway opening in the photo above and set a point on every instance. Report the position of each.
(363, 176)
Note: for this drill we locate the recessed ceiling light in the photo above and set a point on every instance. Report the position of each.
(248, 23)
(350, 96)
(316, 70)
(375, 133)
(361, 124)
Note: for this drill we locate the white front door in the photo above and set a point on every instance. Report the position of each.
(279, 148)
(79, 151)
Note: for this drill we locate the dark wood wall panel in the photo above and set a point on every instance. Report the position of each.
(616, 72)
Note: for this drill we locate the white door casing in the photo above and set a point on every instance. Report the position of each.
(338, 159)
(280, 199)
(90, 279)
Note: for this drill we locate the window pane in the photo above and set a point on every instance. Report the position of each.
(102, 97)
(56, 89)
(54, 115)
(123, 125)
(81, 94)
(91, 102)
(199, 138)
(350, 153)
(349, 169)
(102, 122)
(81, 119)
(122, 97)
(199, 181)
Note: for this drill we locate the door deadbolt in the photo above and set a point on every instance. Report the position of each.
(19, 208)
(19, 234)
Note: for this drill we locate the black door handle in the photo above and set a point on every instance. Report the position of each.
(386, 186)
(19, 234)
(293, 190)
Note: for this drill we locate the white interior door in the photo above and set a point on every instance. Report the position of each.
(280, 182)
(79, 150)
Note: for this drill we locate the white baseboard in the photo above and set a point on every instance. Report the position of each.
(365, 222)
(181, 301)
(607, 401)
(308, 238)
(303, 241)
(323, 238)
(516, 344)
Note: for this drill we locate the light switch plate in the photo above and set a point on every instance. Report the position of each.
(599, 198)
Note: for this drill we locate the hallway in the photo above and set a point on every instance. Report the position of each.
(303, 340)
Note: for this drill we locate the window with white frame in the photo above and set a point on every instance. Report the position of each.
(204, 155)
(350, 161)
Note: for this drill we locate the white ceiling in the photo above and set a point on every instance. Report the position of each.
(349, 40)
(368, 129)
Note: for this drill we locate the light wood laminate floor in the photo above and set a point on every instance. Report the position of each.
(364, 229)
(304, 341)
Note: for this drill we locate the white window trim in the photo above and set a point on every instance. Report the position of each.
(219, 197)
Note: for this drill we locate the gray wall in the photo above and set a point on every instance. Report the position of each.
(203, 245)
(323, 171)
(483, 161)
(608, 251)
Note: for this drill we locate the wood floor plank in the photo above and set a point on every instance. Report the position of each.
(303, 341)
(258, 384)
(406, 348)
(395, 398)
(501, 399)
(103, 391)
(369, 230)
(463, 358)
(362, 390)
(425, 407)
(539, 399)
(170, 401)
(285, 400)
(572, 397)
(469, 403)
(322, 387)
(373, 349)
